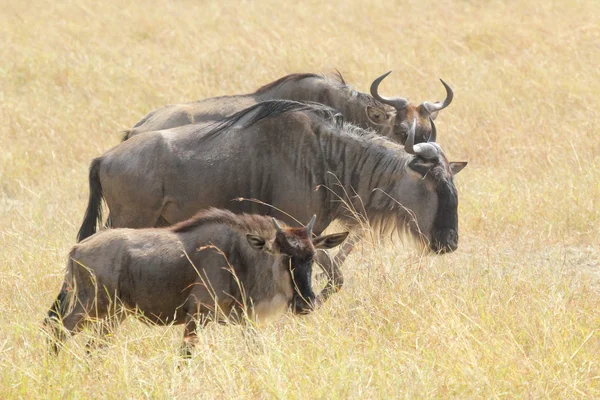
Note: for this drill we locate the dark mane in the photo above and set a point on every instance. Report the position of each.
(244, 223)
(339, 77)
(335, 78)
(366, 99)
(269, 109)
(385, 158)
(287, 78)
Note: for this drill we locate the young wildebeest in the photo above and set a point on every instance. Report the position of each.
(217, 264)
(292, 156)
(390, 117)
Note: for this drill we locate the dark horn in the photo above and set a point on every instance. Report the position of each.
(410, 140)
(310, 225)
(437, 106)
(427, 151)
(398, 103)
(276, 224)
(433, 135)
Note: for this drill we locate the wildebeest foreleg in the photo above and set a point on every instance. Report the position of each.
(190, 337)
(107, 326)
(332, 269)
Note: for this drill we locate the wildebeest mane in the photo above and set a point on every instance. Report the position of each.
(340, 77)
(386, 161)
(269, 109)
(371, 149)
(245, 223)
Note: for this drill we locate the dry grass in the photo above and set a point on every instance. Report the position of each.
(515, 312)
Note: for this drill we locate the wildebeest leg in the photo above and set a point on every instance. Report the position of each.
(332, 269)
(335, 279)
(190, 338)
(252, 339)
(107, 326)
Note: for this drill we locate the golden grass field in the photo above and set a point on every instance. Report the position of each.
(514, 313)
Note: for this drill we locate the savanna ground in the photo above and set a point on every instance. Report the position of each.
(515, 312)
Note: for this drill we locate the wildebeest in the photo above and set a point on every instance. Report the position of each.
(390, 117)
(215, 265)
(292, 156)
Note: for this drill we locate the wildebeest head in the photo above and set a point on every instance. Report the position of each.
(431, 186)
(298, 249)
(395, 123)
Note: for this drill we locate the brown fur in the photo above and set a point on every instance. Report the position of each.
(241, 222)
(214, 266)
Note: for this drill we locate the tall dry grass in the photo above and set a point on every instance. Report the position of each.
(515, 312)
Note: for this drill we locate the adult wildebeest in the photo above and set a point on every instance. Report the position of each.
(390, 117)
(295, 157)
(202, 269)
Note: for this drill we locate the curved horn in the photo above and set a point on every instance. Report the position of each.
(432, 139)
(397, 102)
(410, 140)
(309, 226)
(437, 106)
(433, 135)
(276, 225)
(427, 151)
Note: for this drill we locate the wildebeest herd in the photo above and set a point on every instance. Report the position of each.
(202, 197)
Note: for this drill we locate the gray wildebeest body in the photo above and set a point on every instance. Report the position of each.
(291, 156)
(214, 266)
(390, 117)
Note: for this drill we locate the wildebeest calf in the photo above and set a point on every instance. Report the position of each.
(217, 265)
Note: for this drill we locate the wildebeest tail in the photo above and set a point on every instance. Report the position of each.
(93, 213)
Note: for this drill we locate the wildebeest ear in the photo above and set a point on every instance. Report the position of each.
(256, 242)
(329, 241)
(376, 115)
(456, 167)
(420, 166)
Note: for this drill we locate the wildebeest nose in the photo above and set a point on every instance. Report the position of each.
(448, 248)
(303, 305)
(447, 244)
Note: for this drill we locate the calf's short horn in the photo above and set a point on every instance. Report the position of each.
(311, 224)
(276, 225)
